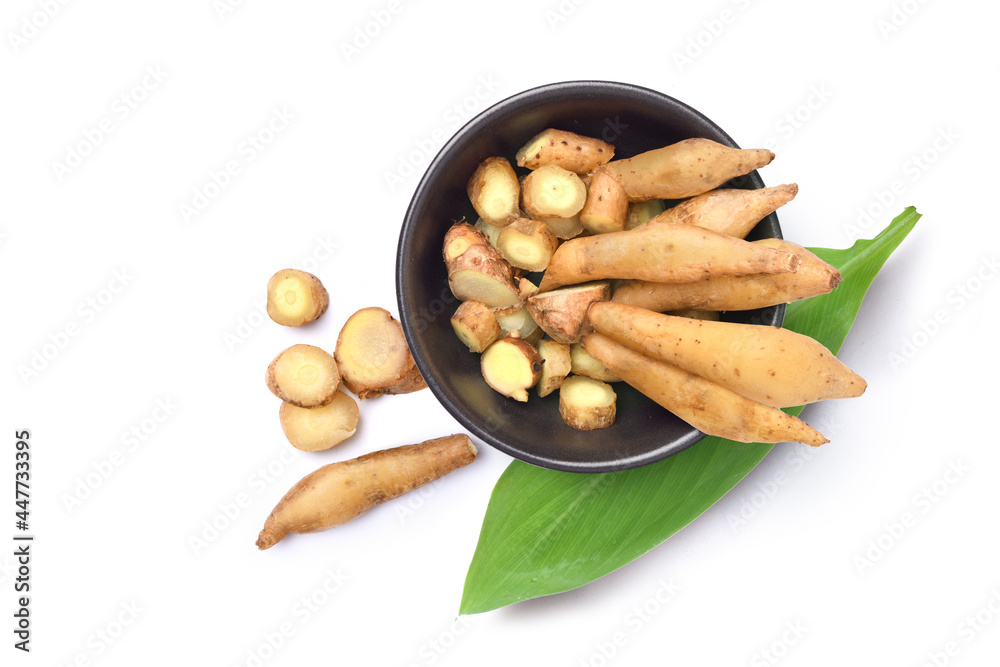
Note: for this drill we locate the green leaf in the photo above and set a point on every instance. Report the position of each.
(547, 531)
(828, 318)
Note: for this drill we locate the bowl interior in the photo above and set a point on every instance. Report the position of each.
(632, 118)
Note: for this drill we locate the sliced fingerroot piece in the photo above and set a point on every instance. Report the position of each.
(494, 191)
(373, 356)
(770, 365)
(582, 363)
(606, 206)
(491, 232)
(662, 253)
(526, 288)
(476, 270)
(303, 375)
(521, 321)
(705, 405)
(562, 313)
(643, 211)
(527, 244)
(556, 366)
(732, 212)
(475, 325)
(587, 404)
(342, 491)
(568, 150)
(565, 228)
(812, 277)
(685, 169)
(552, 192)
(316, 429)
(511, 366)
(295, 297)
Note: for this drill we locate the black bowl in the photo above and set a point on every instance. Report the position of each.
(634, 119)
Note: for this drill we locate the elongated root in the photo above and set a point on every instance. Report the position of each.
(813, 276)
(340, 492)
(709, 407)
(666, 252)
(731, 212)
(685, 169)
(568, 150)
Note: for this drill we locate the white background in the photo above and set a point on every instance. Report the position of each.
(132, 305)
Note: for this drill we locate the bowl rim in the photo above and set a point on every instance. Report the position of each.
(539, 94)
